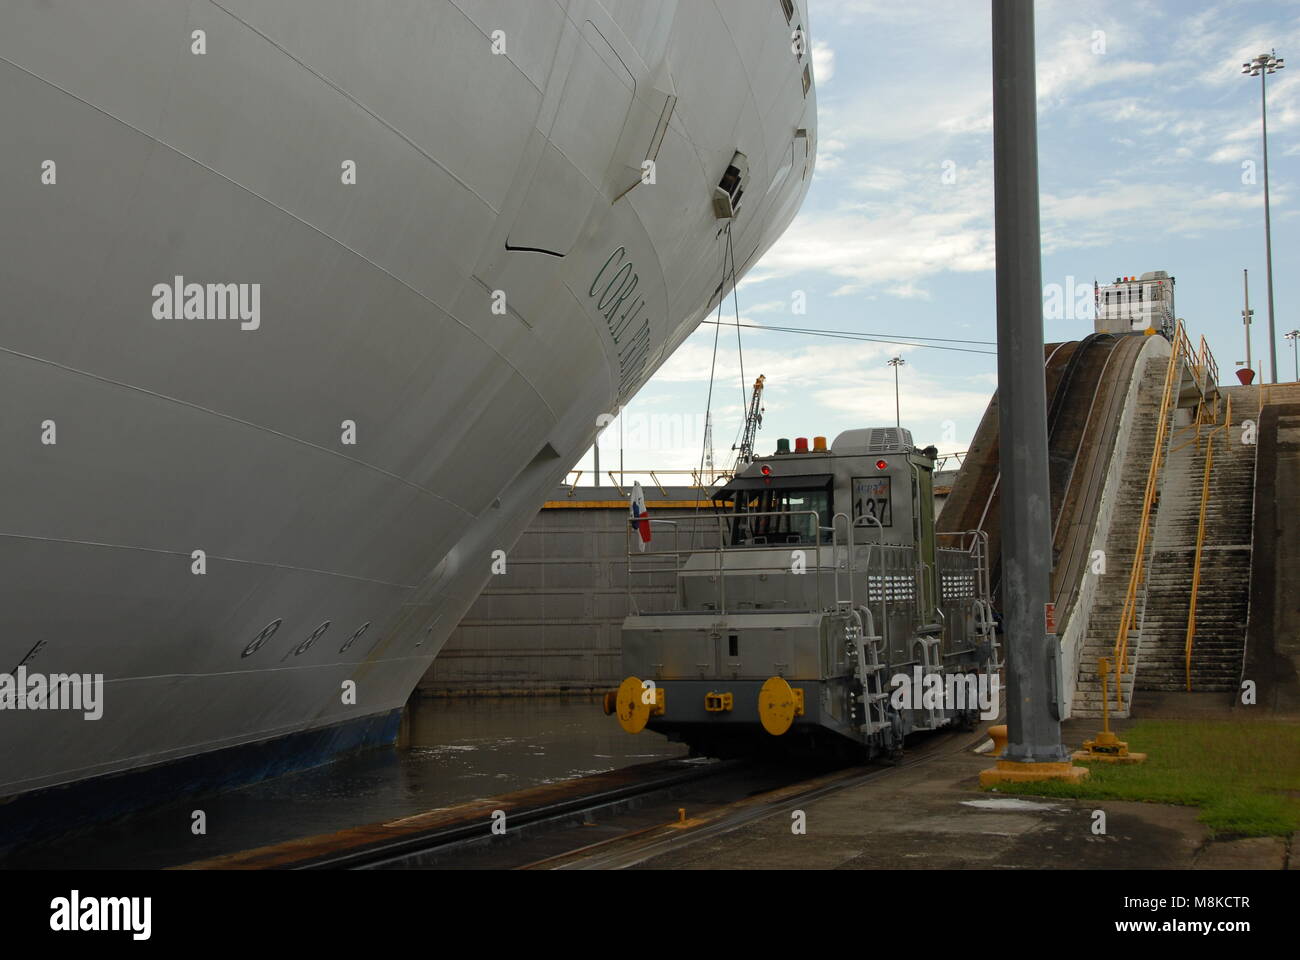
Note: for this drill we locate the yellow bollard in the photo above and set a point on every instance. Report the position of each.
(1014, 771)
(999, 735)
(1107, 748)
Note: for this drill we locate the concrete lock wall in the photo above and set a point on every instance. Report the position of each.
(551, 624)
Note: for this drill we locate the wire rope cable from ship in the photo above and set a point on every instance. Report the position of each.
(708, 405)
(740, 348)
(872, 338)
(740, 353)
(735, 299)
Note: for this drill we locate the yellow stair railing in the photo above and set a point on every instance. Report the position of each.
(1226, 426)
(1205, 371)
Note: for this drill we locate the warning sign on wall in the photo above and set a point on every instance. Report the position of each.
(1049, 619)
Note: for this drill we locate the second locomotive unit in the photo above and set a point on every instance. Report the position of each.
(815, 609)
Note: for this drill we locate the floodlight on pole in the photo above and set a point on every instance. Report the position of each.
(898, 415)
(1295, 356)
(1261, 66)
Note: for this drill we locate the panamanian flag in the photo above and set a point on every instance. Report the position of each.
(640, 515)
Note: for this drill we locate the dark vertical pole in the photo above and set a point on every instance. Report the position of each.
(1033, 726)
(1268, 228)
(1246, 316)
(898, 408)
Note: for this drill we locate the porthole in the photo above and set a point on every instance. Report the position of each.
(355, 637)
(267, 633)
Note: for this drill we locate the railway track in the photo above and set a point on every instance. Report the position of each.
(973, 503)
(1072, 534)
(1067, 418)
(432, 838)
(1087, 382)
(542, 828)
(640, 846)
(1073, 377)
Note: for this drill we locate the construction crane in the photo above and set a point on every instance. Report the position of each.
(753, 421)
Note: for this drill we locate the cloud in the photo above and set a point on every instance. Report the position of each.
(828, 155)
(1083, 57)
(902, 225)
(767, 306)
(882, 179)
(819, 388)
(920, 398)
(892, 224)
(1117, 209)
(801, 366)
(823, 63)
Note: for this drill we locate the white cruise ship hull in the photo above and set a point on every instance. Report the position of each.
(462, 313)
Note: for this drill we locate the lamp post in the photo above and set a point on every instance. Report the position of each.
(1295, 356)
(1247, 375)
(1261, 66)
(898, 416)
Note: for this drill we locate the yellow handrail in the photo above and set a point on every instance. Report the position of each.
(1196, 425)
(1226, 426)
(1182, 349)
(1211, 368)
(1196, 569)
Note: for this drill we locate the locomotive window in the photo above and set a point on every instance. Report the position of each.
(774, 516)
(872, 499)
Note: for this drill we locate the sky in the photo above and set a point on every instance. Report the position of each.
(1150, 158)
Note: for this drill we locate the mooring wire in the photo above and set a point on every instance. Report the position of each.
(740, 349)
(860, 338)
(708, 406)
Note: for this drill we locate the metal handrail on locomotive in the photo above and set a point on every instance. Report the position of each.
(795, 612)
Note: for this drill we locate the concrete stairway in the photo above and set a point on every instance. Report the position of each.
(1108, 604)
(1223, 596)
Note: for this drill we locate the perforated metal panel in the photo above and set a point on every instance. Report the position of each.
(958, 578)
(890, 440)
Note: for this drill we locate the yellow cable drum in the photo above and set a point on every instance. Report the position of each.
(777, 706)
(633, 712)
